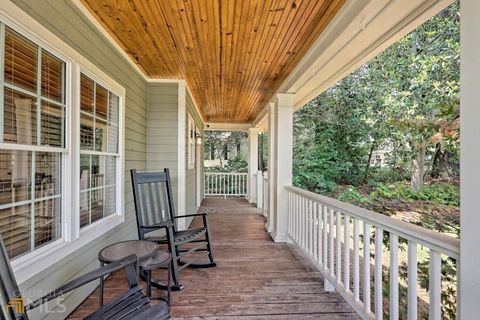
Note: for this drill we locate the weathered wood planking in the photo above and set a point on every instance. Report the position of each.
(233, 54)
(255, 277)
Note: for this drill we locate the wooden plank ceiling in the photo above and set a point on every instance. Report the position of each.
(233, 54)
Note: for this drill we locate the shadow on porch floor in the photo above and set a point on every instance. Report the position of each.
(255, 277)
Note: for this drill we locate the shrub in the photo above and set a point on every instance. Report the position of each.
(439, 193)
(351, 195)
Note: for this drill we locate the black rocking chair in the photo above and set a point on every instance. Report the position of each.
(152, 194)
(132, 304)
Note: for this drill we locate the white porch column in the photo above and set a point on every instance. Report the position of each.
(252, 164)
(271, 165)
(282, 158)
(470, 159)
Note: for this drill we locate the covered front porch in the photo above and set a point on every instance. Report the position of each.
(128, 100)
(256, 278)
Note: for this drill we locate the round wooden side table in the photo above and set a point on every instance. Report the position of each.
(149, 257)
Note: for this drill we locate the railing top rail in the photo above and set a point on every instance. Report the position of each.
(226, 173)
(435, 240)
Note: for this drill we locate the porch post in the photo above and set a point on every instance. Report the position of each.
(283, 163)
(271, 165)
(252, 164)
(469, 280)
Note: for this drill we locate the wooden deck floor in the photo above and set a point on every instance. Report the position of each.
(255, 277)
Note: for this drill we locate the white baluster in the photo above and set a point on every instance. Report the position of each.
(320, 235)
(366, 267)
(412, 281)
(346, 254)
(325, 238)
(393, 276)
(435, 286)
(315, 231)
(331, 256)
(356, 261)
(310, 227)
(378, 274)
(339, 247)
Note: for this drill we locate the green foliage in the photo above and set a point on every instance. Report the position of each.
(237, 164)
(439, 193)
(351, 195)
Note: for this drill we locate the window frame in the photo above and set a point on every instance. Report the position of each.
(28, 265)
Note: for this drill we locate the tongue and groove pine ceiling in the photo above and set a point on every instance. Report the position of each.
(233, 54)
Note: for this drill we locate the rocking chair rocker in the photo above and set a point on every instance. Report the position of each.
(154, 208)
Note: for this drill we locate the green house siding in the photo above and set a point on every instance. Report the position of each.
(67, 22)
(162, 132)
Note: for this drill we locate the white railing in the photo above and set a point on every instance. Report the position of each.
(228, 184)
(266, 193)
(334, 235)
(259, 176)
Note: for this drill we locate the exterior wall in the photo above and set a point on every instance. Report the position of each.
(162, 124)
(64, 20)
(191, 174)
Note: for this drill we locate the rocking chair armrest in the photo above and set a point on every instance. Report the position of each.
(192, 215)
(126, 263)
(165, 224)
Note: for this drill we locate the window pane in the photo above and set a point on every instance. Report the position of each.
(112, 138)
(100, 135)
(52, 125)
(86, 94)
(19, 118)
(48, 219)
(52, 77)
(101, 99)
(110, 170)
(96, 204)
(20, 61)
(110, 201)
(16, 229)
(48, 180)
(15, 176)
(84, 208)
(113, 108)
(86, 132)
(84, 172)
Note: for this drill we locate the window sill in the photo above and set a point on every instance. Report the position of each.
(33, 263)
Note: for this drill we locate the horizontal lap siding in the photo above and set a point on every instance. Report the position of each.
(162, 130)
(64, 19)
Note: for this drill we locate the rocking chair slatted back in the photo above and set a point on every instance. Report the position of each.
(153, 198)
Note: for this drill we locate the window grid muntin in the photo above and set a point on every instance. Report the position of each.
(37, 147)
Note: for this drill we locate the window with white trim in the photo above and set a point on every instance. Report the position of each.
(99, 131)
(42, 152)
(32, 143)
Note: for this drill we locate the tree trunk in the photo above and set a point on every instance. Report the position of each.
(418, 166)
(367, 167)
